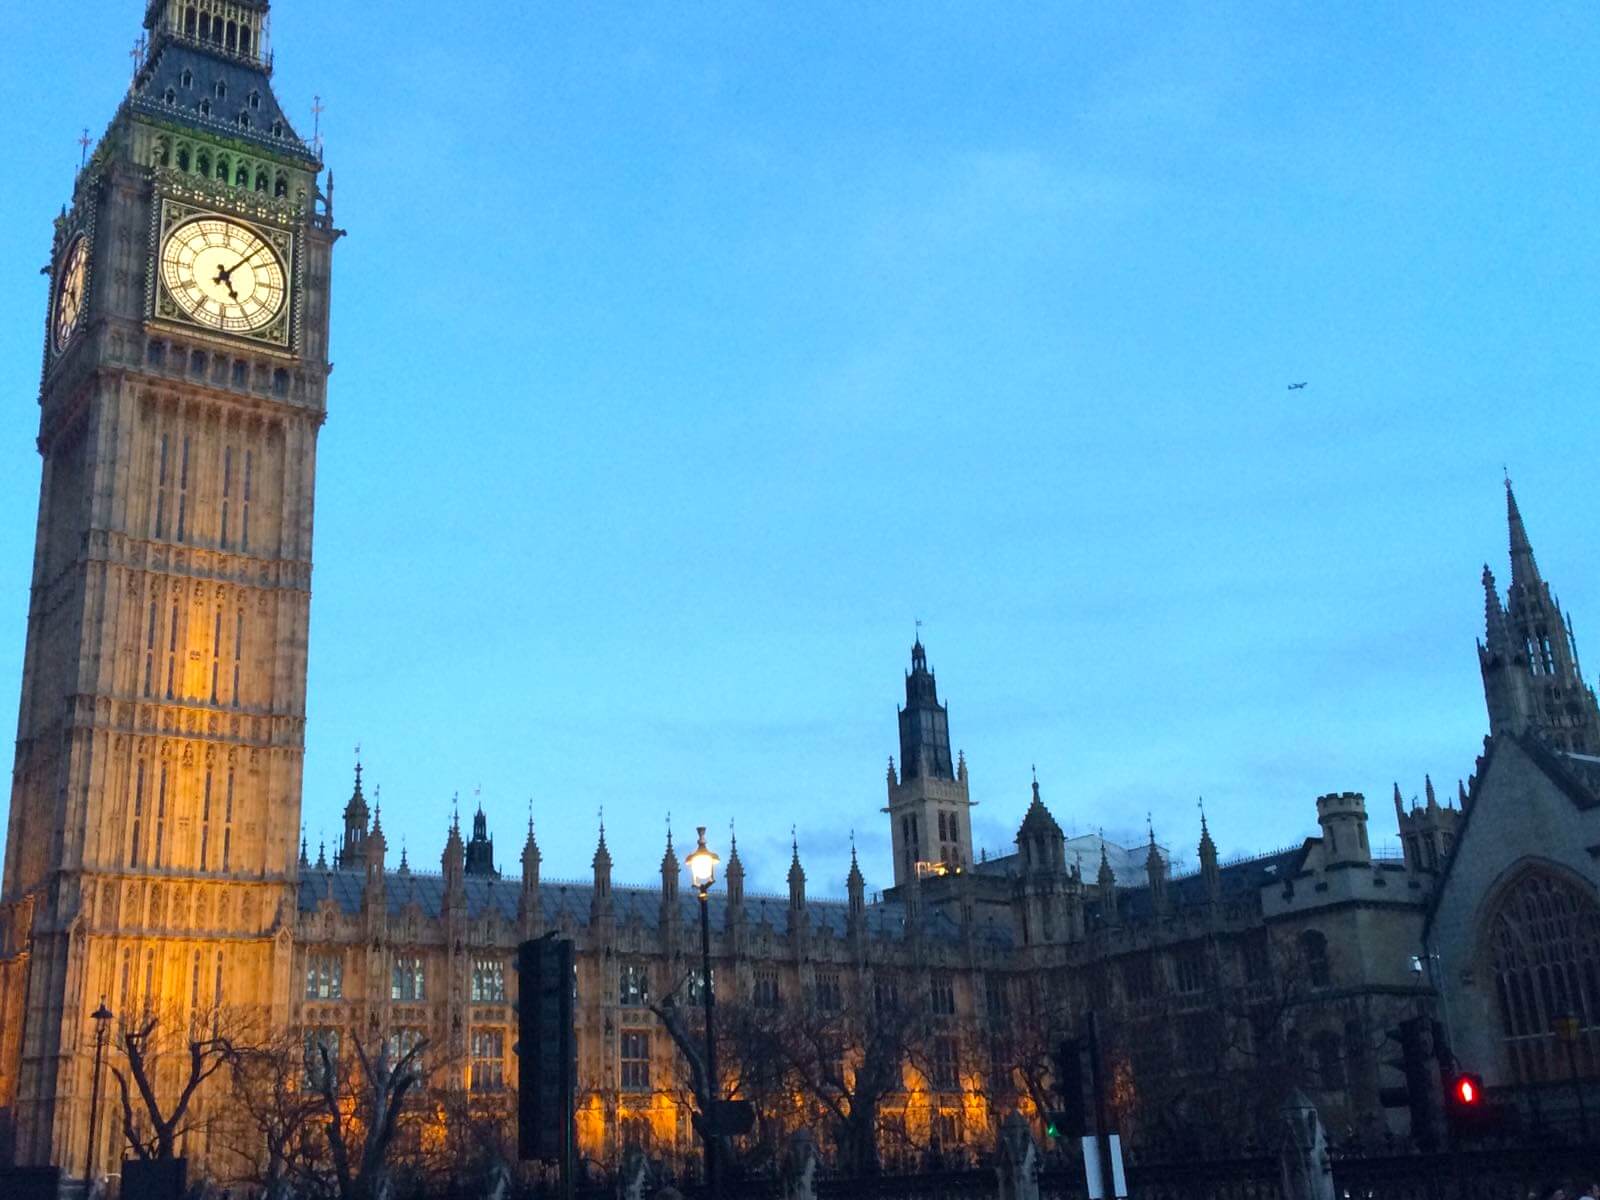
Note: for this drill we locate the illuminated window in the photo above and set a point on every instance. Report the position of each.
(324, 977)
(695, 986)
(636, 1060)
(829, 998)
(488, 981)
(942, 996)
(488, 1060)
(633, 990)
(406, 981)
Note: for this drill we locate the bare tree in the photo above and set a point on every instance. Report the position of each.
(153, 1127)
(368, 1106)
(273, 1131)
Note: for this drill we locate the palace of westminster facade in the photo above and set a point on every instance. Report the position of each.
(151, 856)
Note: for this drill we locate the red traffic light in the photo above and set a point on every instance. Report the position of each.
(1468, 1090)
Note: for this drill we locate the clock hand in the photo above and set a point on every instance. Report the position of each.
(225, 275)
(225, 281)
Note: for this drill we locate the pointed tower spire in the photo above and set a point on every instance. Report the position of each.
(671, 868)
(855, 885)
(1210, 870)
(1531, 678)
(1427, 787)
(797, 875)
(1106, 885)
(602, 862)
(1524, 571)
(305, 862)
(1399, 804)
(530, 914)
(1155, 868)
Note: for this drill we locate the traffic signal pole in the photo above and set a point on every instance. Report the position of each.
(1102, 1130)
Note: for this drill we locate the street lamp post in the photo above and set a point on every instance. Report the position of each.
(702, 864)
(102, 1021)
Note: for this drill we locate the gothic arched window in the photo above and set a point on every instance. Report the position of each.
(1544, 939)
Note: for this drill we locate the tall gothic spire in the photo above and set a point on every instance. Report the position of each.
(924, 724)
(1524, 571)
(1532, 681)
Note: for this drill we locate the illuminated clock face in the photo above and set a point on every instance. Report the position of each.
(224, 275)
(69, 291)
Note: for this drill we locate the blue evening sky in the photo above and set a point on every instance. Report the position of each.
(687, 354)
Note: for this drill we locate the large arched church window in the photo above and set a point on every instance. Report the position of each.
(1544, 941)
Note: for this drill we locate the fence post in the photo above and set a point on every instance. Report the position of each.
(1018, 1160)
(1307, 1165)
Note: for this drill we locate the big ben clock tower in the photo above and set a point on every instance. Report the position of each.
(155, 798)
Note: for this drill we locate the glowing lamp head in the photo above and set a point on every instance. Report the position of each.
(1467, 1090)
(702, 864)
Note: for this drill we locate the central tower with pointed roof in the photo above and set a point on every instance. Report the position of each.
(929, 808)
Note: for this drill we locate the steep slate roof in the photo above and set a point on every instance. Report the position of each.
(499, 897)
(1240, 880)
(165, 70)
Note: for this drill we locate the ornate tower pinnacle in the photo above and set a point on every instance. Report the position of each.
(1532, 680)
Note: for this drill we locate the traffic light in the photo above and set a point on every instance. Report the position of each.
(1418, 1092)
(1467, 1108)
(547, 1076)
(1066, 1122)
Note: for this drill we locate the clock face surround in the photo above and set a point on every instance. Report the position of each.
(71, 281)
(224, 275)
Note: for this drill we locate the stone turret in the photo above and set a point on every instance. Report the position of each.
(1428, 831)
(352, 846)
(1155, 869)
(377, 847)
(480, 850)
(530, 913)
(600, 905)
(453, 862)
(799, 919)
(1343, 817)
(1106, 886)
(930, 818)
